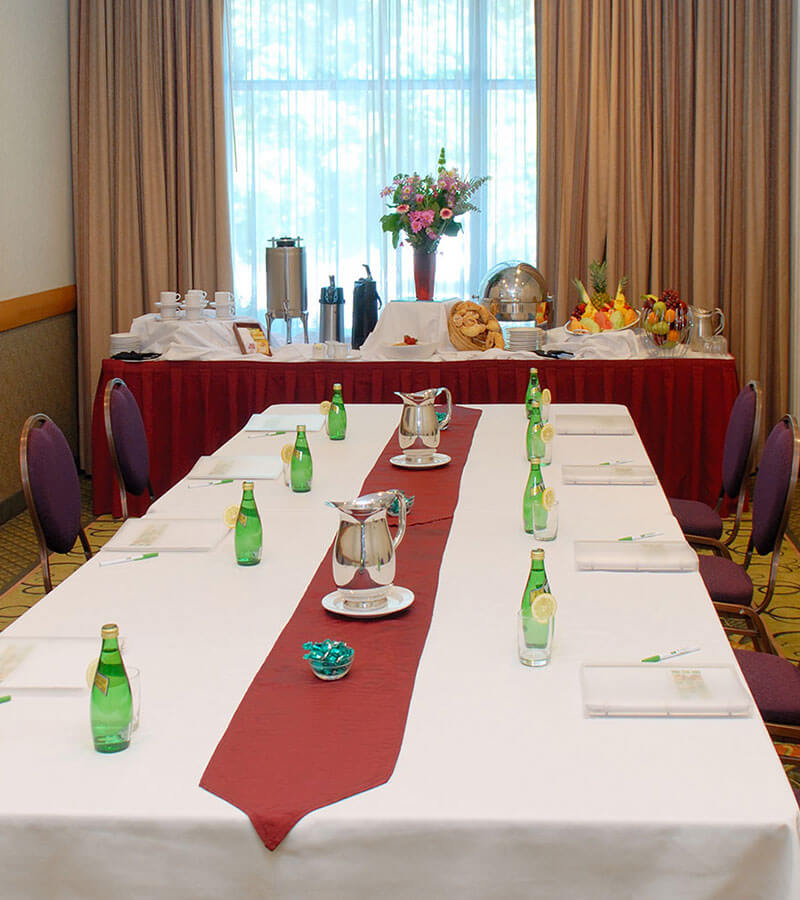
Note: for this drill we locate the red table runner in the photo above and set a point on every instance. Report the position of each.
(296, 743)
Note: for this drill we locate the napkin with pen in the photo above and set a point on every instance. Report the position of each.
(633, 555)
(574, 423)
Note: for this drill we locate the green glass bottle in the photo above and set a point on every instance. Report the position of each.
(111, 704)
(301, 468)
(249, 537)
(534, 392)
(534, 445)
(337, 415)
(533, 510)
(537, 634)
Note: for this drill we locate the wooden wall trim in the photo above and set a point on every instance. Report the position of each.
(35, 307)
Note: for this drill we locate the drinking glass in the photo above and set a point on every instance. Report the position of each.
(534, 639)
(548, 531)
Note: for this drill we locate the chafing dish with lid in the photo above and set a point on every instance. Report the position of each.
(515, 291)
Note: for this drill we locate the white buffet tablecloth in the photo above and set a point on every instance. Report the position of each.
(503, 789)
(213, 339)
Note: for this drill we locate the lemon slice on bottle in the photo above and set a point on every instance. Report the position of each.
(548, 498)
(547, 397)
(547, 433)
(287, 452)
(230, 515)
(543, 607)
(324, 407)
(91, 669)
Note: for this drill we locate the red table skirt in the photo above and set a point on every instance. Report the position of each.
(680, 406)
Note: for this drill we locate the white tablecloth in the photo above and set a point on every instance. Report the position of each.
(502, 788)
(213, 339)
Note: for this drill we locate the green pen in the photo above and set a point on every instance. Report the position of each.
(640, 537)
(669, 654)
(212, 483)
(125, 559)
(5, 699)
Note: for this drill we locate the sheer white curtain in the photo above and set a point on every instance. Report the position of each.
(332, 98)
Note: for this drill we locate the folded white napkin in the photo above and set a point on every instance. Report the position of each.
(572, 423)
(608, 475)
(635, 556)
(248, 467)
(163, 535)
(267, 421)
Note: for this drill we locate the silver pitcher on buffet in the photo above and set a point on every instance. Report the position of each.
(419, 429)
(703, 325)
(364, 550)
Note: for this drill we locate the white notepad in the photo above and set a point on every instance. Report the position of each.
(635, 556)
(573, 423)
(167, 535)
(252, 468)
(46, 663)
(657, 690)
(285, 421)
(608, 475)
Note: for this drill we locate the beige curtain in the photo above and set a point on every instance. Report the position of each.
(664, 146)
(149, 165)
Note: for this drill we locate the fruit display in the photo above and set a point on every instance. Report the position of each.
(667, 323)
(599, 311)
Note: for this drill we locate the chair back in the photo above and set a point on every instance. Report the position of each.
(774, 488)
(127, 441)
(741, 437)
(52, 489)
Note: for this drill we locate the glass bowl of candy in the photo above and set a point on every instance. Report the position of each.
(329, 660)
(667, 323)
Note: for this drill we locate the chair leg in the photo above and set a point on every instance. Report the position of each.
(87, 550)
(756, 632)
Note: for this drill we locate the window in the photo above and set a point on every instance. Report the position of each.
(332, 98)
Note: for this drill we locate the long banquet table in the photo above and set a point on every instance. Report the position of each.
(502, 787)
(680, 406)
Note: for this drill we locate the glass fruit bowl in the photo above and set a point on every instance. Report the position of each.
(666, 323)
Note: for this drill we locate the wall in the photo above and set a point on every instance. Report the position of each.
(37, 349)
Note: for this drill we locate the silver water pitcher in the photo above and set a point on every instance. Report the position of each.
(419, 429)
(364, 550)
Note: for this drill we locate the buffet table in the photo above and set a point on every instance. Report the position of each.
(503, 788)
(680, 406)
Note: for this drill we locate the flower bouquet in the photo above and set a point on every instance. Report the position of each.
(425, 210)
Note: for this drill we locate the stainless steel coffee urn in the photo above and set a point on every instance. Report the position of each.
(286, 284)
(331, 313)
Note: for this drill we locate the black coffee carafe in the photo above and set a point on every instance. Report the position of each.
(365, 308)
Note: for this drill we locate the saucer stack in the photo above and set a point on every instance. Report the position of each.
(524, 339)
(124, 342)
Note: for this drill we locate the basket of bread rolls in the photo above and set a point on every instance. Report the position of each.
(472, 327)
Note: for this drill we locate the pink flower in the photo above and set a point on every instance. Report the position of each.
(403, 208)
(432, 234)
(420, 219)
(446, 213)
(419, 198)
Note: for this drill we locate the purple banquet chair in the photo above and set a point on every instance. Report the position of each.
(741, 436)
(52, 490)
(773, 680)
(728, 584)
(127, 442)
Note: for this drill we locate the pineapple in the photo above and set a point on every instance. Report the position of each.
(598, 272)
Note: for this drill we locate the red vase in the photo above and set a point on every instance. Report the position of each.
(424, 274)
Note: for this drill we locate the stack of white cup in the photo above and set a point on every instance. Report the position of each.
(169, 305)
(195, 303)
(224, 304)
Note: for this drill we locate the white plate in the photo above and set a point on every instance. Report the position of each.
(399, 598)
(438, 459)
(409, 351)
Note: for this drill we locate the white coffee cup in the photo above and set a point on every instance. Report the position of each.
(339, 350)
(170, 298)
(195, 298)
(318, 351)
